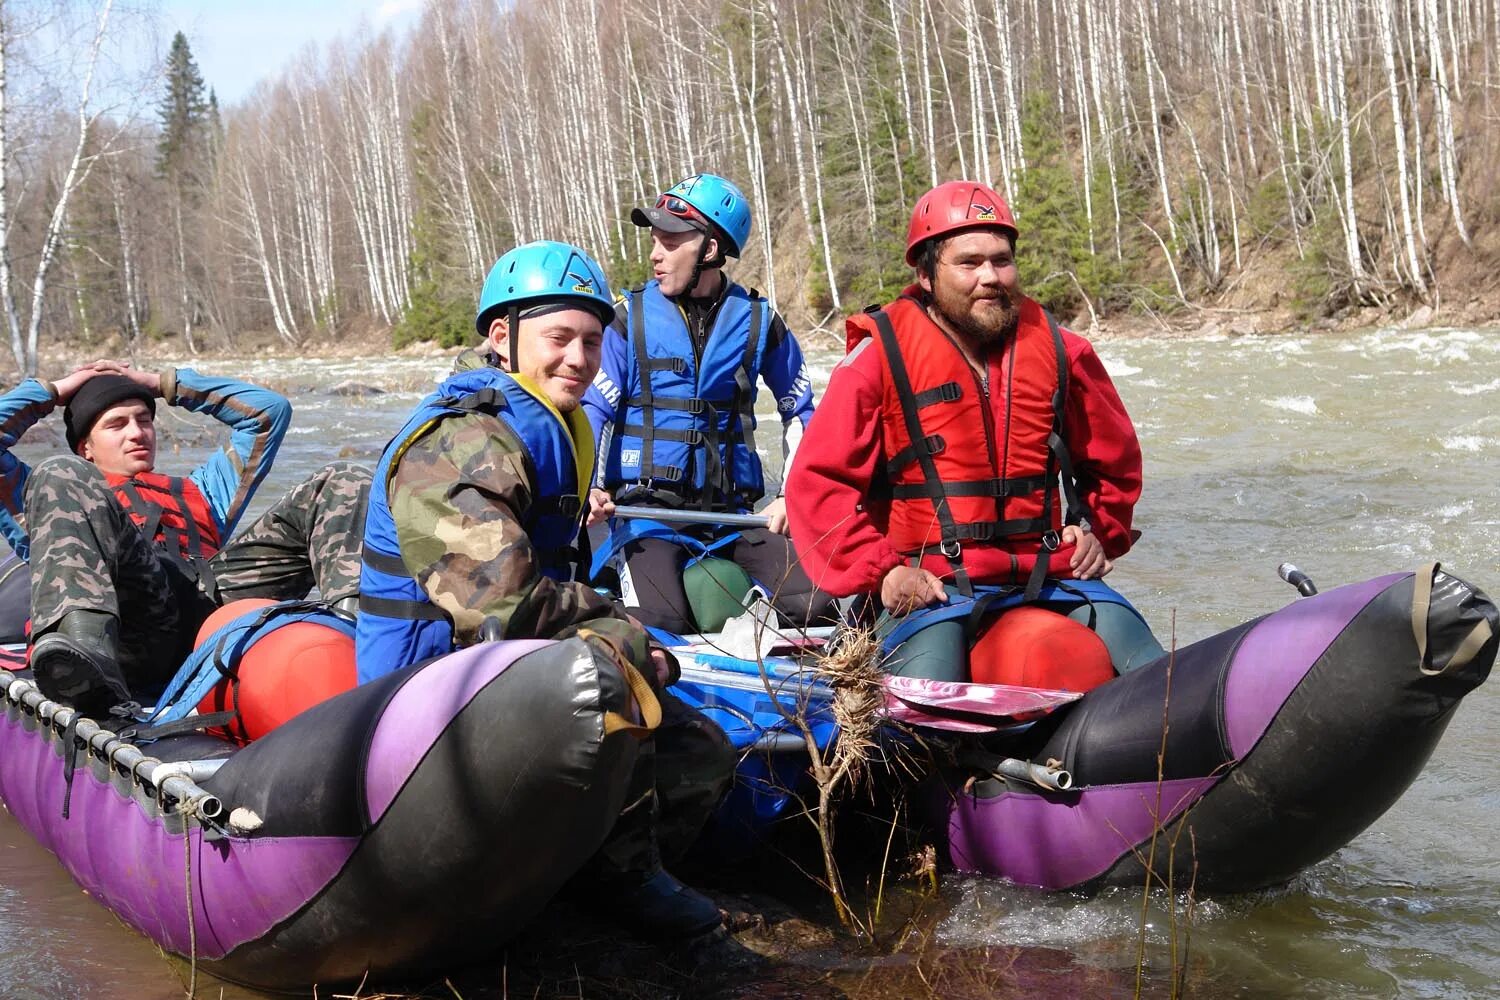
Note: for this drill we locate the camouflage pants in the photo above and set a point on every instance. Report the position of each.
(679, 778)
(87, 554)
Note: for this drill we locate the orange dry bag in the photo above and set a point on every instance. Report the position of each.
(1034, 647)
(281, 674)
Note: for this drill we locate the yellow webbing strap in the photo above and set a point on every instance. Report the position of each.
(640, 689)
(1421, 604)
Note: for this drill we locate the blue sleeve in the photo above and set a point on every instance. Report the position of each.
(19, 409)
(605, 396)
(257, 419)
(785, 374)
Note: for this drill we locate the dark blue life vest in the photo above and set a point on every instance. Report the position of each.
(688, 429)
(398, 624)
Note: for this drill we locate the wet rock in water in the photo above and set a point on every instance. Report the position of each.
(1421, 317)
(350, 387)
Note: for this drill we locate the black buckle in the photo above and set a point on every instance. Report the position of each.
(935, 444)
(949, 392)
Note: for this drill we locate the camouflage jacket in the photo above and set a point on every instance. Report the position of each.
(455, 496)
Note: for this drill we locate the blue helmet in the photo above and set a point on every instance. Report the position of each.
(715, 199)
(544, 271)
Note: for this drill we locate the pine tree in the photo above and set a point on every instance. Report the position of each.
(183, 161)
(186, 115)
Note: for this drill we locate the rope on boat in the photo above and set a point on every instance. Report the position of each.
(174, 788)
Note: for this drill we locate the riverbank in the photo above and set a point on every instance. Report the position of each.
(1184, 322)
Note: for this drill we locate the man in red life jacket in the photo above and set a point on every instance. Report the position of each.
(966, 439)
(126, 562)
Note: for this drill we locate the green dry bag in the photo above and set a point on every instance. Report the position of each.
(716, 590)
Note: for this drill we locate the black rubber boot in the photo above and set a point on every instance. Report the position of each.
(77, 663)
(662, 908)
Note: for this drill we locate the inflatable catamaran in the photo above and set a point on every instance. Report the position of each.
(420, 820)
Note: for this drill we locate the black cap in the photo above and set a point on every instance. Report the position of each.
(660, 218)
(94, 397)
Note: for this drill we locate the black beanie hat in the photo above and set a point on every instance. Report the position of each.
(94, 397)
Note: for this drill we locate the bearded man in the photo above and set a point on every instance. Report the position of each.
(966, 439)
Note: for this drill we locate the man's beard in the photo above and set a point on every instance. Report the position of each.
(985, 329)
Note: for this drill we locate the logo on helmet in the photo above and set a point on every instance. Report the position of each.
(983, 213)
(582, 283)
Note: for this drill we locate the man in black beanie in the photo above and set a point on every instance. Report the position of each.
(127, 562)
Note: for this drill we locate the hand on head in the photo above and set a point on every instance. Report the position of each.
(74, 380)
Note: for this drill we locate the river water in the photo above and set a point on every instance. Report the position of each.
(1351, 455)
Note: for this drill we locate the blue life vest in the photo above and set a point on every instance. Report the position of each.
(689, 427)
(398, 624)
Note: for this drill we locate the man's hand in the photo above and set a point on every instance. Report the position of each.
(1088, 559)
(907, 588)
(70, 383)
(601, 507)
(666, 668)
(150, 381)
(775, 515)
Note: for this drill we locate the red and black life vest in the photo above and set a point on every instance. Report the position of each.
(171, 512)
(953, 476)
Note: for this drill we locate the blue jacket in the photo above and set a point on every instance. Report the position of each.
(257, 418)
(398, 622)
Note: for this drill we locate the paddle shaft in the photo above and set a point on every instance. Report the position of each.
(691, 517)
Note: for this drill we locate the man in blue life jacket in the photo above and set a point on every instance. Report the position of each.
(674, 407)
(475, 514)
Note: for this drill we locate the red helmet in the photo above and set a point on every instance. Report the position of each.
(953, 206)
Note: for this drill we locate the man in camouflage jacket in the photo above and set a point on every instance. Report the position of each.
(463, 488)
(119, 582)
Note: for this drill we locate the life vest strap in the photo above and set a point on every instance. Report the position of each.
(568, 507)
(998, 488)
(745, 397)
(647, 430)
(934, 444)
(382, 562)
(388, 607)
(948, 392)
(951, 549)
(693, 437)
(694, 406)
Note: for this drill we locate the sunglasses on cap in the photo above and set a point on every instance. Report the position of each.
(681, 209)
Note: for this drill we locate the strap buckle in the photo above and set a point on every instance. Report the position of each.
(951, 548)
(1051, 540)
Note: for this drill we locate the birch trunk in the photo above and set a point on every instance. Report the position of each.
(24, 362)
(78, 168)
(1385, 18)
(1447, 155)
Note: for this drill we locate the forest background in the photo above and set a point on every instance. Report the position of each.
(1244, 165)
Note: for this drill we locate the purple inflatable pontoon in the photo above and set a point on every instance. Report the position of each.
(1284, 738)
(416, 821)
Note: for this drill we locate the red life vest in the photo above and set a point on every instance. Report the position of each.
(955, 478)
(172, 512)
